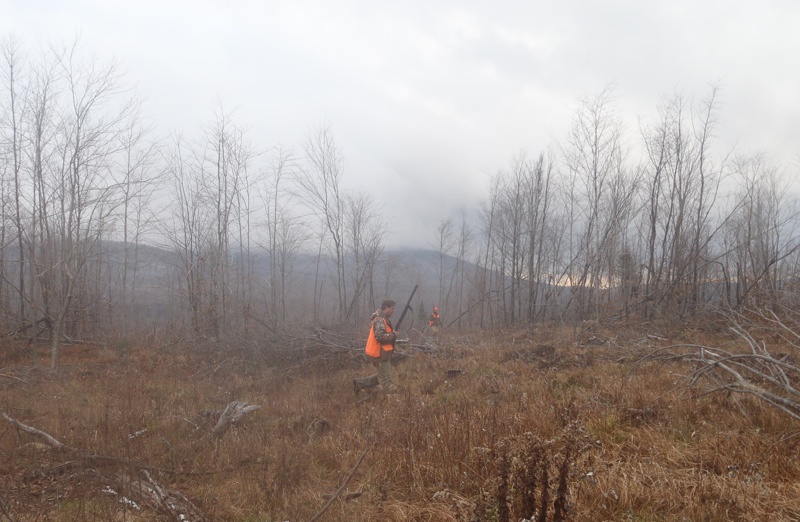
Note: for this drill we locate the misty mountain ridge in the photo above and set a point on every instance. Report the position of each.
(396, 273)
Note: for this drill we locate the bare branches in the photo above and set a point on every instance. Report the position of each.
(4, 511)
(50, 440)
(341, 488)
(132, 481)
(163, 500)
(753, 371)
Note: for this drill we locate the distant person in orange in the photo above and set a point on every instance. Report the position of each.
(380, 345)
(434, 321)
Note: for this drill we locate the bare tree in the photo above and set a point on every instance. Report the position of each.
(539, 217)
(292, 235)
(242, 157)
(459, 271)
(188, 228)
(445, 242)
(760, 236)
(595, 158)
(364, 227)
(91, 122)
(524, 236)
(137, 180)
(221, 161)
(514, 208)
(210, 223)
(682, 218)
(285, 232)
(320, 188)
(11, 50)
(486, 274)
(41, 150)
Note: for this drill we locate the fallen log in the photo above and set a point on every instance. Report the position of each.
(50, 440)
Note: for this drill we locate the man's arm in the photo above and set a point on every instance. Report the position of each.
(383, 337)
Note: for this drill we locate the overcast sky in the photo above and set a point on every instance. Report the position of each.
(427, 99)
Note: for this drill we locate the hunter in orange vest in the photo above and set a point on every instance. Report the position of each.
(434, 321)
(380, 344)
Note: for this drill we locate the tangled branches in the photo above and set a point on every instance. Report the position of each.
(753, 370)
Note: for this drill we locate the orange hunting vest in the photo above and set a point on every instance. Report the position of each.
(373, 346)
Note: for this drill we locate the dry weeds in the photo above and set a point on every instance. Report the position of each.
(551, 418)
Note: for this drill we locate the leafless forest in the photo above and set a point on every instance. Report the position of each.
(203, 257)
(582, 230)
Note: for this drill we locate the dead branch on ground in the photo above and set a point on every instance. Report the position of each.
(50, 440)
(234, 412)
(753, 371)
(4, 511)
(154, 496)
(143, 488)
(341, 488)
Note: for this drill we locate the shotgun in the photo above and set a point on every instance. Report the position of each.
(406, 309)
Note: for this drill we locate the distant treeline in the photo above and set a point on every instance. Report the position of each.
(258, 236)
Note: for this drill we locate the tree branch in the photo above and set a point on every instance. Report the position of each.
(51, 441)
(341, 488)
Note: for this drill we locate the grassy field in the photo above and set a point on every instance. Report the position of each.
(548, 424)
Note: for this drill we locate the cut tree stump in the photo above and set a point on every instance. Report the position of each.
(235, 411)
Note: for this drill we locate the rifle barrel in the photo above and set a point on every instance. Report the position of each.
(406, 308)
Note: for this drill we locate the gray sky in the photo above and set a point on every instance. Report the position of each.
(427, 99)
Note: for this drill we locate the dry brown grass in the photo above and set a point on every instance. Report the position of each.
(529, 409)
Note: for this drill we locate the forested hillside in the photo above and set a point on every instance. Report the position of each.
(268, 233)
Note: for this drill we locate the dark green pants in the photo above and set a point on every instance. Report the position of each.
(383, 375)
